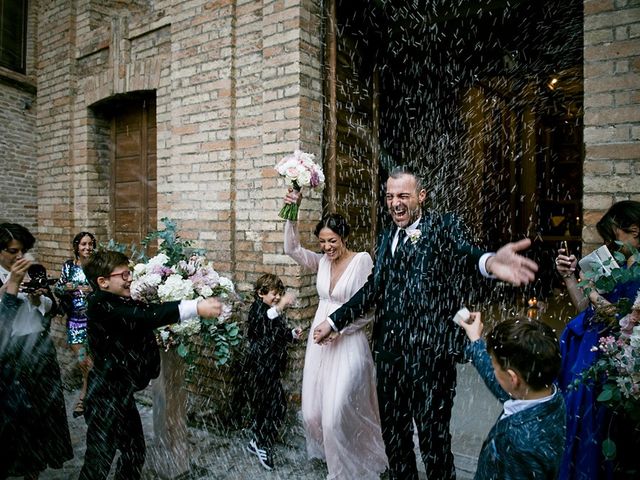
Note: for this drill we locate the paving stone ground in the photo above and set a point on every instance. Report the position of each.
(221, 455)
(216, 455)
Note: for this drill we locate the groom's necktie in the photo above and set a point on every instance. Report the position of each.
(402, 235)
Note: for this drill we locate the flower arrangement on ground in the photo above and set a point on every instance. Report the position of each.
(299, 170)
(179, 272)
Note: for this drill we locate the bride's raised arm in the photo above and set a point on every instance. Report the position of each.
(292, 247)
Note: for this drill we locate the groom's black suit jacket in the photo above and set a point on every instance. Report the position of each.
(416, 292)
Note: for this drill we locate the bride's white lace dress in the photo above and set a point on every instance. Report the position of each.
(339, 404)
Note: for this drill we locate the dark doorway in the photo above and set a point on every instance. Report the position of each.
(484, 98)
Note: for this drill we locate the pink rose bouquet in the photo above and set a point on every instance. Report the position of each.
(299, 170)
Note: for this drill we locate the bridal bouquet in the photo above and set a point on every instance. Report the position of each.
(175, 274)
(299, 170)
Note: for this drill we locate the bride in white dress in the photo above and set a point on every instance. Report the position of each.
(339, 403)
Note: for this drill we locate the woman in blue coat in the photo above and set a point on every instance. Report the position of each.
(589, 422)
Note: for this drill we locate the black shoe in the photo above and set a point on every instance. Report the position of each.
(263, 454)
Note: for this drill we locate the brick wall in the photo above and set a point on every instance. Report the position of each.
(611, 108)
(237, 86)
(56, 85)
(18, 162)
(18, 189)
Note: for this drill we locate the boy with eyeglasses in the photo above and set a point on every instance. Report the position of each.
(125, 358)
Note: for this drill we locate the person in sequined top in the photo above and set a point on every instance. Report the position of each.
(72, 289)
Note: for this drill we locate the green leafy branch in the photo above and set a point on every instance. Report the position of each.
(173, 246)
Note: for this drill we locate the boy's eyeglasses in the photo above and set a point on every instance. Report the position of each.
(126, 275)
(14, 251)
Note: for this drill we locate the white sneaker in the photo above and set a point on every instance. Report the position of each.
(263, 454)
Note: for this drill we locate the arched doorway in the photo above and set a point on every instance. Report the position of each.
(125, 138)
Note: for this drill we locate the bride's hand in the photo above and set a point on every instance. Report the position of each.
(321, 332)
(293, 196)
(332, 336)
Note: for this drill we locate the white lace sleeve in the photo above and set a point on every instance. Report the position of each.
(362, 271)
(292, 247)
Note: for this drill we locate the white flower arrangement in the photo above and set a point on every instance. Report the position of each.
(158, 281)
(180, 272)
(300, 170)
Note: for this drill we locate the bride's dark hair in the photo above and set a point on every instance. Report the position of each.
(334, 222)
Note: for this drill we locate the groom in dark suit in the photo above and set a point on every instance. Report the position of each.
(423, 269)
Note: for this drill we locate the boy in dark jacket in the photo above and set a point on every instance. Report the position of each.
(125, 358)
(519, 365)
(268, 337)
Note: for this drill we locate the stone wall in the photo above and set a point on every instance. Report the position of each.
(611, 108)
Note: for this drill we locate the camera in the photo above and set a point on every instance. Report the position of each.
(37, 279)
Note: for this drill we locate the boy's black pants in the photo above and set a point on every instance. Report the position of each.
(113, 423)
(268, 405)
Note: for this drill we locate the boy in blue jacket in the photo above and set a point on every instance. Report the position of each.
(519, 364)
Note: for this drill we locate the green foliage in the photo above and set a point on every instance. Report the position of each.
(609, 449)
(606, 283)
(134, 253)
(172, 245)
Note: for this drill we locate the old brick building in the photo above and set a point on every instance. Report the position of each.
(120, 113)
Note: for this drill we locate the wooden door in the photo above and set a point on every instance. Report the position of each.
(134, 186)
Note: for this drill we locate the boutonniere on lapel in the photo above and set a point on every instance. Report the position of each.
(414, 235)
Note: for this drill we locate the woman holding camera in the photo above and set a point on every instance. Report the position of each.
(72, 289)
(33, 428)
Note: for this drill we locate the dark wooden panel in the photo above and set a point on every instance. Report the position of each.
(135, 183)
(152, 194)
(130, 116)
(127, 238)
(127, 195)
(128, 144)
(128, 220)
(128, 169)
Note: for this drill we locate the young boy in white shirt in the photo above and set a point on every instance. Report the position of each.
(519, 364)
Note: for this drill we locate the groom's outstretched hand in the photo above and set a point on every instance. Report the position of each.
(509, 266)
(321, 332)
